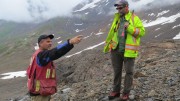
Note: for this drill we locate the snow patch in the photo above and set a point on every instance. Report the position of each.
(158, 35)
(59, 42)
(58, 38)
(176, 26)
(88, 36)
(163, 20)
(177, 36)
(99, 13)
(144, 21)
(152, 14)
(100, 33)
(89, 48)
(90, 5)
(107, 3)
(79, 24)
(77, 30)
(12, 75)
(157, 29)
(162, 13)
(87, 13)
(34, 34)
(36, 47)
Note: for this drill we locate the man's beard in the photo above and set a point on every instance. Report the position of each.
(122, 14)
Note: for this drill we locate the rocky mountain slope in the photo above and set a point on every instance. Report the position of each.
(89, 78)
(157, 75)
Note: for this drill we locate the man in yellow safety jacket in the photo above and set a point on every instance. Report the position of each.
(123, 41)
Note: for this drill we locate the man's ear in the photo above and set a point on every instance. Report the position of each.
(41, 42)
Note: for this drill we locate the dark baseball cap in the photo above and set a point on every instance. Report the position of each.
(51, 36)
(122, 3)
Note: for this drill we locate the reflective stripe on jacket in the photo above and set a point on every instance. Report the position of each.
(134, 32)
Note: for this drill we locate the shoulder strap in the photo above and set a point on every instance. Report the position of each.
(117, 24)
(30, 70)
(37, 52)
(132, 17)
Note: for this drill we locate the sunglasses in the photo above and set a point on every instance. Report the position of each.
(119, 8)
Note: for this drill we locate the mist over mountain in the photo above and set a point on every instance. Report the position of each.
(42, 10)
(35, 10)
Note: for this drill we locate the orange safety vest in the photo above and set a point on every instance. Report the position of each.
(41, 80)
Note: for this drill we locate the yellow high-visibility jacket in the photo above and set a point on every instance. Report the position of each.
(134, 32)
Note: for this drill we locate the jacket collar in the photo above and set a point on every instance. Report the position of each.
(127, 16)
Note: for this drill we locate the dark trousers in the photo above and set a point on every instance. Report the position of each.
(118, 60)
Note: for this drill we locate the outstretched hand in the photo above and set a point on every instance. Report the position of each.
(126, 24)
(76, 39)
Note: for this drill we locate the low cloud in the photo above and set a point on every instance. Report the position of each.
(33, 10)
(40, 10)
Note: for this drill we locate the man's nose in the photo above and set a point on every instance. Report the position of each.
(50, 43)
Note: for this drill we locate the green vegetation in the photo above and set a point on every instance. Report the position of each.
(6, 29)
(62, 32)
(56, 25)
(3, 48)
(14, 36)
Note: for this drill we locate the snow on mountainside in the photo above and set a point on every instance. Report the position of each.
(162, 20)
(90, 5)
(156, 19)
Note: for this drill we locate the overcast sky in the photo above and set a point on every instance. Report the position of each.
(28, 10)
(18, 10)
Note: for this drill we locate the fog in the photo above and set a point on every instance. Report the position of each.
(40, 10)
(31, 10)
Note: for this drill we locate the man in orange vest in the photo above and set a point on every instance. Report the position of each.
(41, 73)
